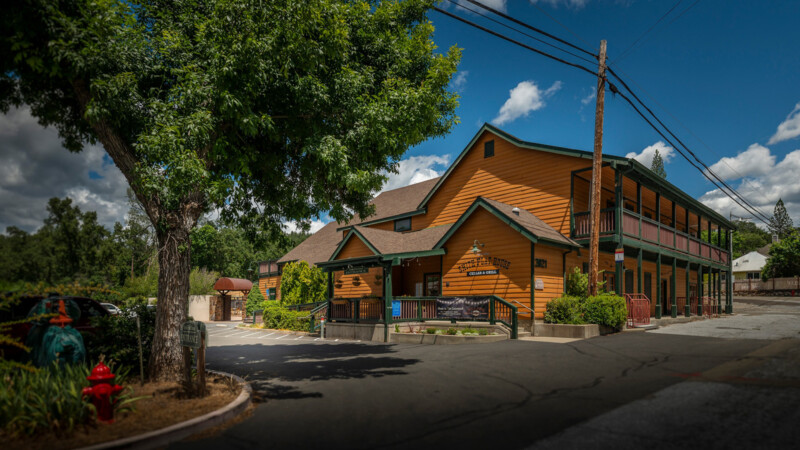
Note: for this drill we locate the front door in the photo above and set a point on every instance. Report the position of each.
(433, 285)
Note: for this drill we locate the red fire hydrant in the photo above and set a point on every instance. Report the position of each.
(101, 392)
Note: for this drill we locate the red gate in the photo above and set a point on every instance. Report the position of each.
(638, 309)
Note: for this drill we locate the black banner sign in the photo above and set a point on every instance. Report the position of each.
(462, 308)
(355, 270)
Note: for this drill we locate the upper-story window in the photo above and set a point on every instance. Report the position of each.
(488, 149)
(402, 224)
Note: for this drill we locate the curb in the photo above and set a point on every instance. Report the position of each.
(289, 332)
(172, 433)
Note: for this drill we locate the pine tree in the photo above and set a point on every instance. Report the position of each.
(780, 223)
(657, 165)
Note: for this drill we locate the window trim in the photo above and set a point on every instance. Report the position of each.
(425, 292)
(488, 149)
(402, 220)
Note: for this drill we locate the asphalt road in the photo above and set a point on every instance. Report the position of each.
(683, 388)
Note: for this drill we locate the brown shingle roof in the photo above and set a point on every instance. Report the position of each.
(320, 246)
(531, 223)
(390, 242)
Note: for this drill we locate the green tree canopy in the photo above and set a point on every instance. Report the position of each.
(780, 223)
(657, 166)
(748, 237)
(266, 110)
(784, 258)
(302, 283)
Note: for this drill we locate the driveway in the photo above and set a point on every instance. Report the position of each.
(626, 390)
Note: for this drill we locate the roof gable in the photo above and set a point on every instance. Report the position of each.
(353, 241)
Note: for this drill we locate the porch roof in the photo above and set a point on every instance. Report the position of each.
(390, 244)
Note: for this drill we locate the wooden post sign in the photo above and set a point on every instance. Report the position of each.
(193, 335)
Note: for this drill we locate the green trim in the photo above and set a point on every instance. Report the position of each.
(669, 253)
(519, 143)
(385, 219)
(370, 261)
(418, 254)
(347, 239)
(481, 202)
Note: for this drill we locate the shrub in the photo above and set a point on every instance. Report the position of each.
(301, 283)
(255, 301)
(278, 317)
(431, 331)
(577, 283)
(201, 281)
(451, 331)
(565, 309)
(606, 309)
(116, 337)
(50, 399)
(483, 332)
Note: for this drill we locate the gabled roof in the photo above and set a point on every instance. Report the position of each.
(751, 262)
(391, 243)
(397, 203)
(317, 247)
(525, 222)
(634, 165)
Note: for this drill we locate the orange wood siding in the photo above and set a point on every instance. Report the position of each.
(534, 180)
(414, 271)
(552, 277)
(500, 241)
(361, 285)
(388, 226)
(273, 282)
(354, 248)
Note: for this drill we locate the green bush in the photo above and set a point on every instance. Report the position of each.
(279, 318)
(116, 338)
(565, 309)
(255, 301)
(606, 309)
(49, 399)
(451, 331)
(301, 283)
(431, 331)
(577, 283)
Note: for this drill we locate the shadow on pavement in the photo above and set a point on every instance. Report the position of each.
(275, 370)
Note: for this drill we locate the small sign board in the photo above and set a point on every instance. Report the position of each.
(619, 255)
(477, 273)
(396, 310)
(356, 270)
(191, 334)
(539, 284)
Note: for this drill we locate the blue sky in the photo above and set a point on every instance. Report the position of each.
(727, 70)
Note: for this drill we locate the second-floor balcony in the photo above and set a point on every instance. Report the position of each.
(638, 228)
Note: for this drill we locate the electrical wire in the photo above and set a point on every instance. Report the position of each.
(622, 55)
(474, 11)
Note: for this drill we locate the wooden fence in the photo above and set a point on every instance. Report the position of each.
(776, 286)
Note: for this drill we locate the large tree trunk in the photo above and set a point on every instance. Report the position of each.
(166, 359)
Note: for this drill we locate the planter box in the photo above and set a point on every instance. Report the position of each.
(567, 331)
(443, 339)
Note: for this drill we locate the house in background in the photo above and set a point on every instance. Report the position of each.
(748, 267)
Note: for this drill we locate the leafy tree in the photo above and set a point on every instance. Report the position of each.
(784, 258)
(748, 237)
(255, 301)
(657, 166)
(302, 283)
(780, 223)
(268, 111)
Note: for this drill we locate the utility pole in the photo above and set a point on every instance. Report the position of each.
(597, 167)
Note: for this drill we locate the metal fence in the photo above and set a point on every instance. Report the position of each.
(638, 310)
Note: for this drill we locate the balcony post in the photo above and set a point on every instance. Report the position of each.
(572, 206)
(639, 286)
(618, 204)
(639, 206)
(658, 285)
(658, 218)
(719, 291)
(687, 309)
(673, 288)
(700, 290)
(674, 227)
(729, 278)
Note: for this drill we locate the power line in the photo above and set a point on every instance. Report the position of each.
(619, 58)
(520, 31)
(494, 33)
(730, 192)
(622, 55)
(530, 27)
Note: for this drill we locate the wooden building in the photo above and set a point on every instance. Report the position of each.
(511, 218)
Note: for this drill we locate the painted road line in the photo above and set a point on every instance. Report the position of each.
(283, 336)
(317, 339)
(249, 335)
(335, 340)
(264, 337)
(298, 338)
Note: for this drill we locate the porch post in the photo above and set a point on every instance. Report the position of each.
(674, 283)
(330, 295)
(387, 297)
(658, 286)
(687, 308)
(729, 278)
(700, 290)
(618, 202)
(719, 291)
(639, 285)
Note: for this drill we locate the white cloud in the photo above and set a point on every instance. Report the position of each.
(523, 99)
(586, 100)
(460, 81)
(416, 169)
(762, 187)
(293, 227)
(754, 161)
(574, 4)
(789, 128)
(646, 156)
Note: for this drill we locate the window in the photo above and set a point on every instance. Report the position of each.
(402, 224)
(433, 284)
(488, 149)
